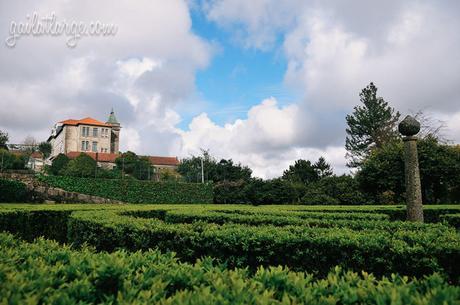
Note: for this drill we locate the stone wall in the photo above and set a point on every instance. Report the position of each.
(43, 192)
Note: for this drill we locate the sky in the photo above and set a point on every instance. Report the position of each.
(262, 82)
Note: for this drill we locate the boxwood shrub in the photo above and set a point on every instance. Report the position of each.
(13, 191)
(45, 272)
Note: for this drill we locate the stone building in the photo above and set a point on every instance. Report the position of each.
(85, 135)
(99, 140)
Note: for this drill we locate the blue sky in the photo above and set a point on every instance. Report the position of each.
(237, 77)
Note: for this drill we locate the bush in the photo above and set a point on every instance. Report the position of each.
(13, 191)
(9, 160)
(49, 273)
(81, 166)
(58, 164)
(303, 240)
(334, 190)
(135, 191)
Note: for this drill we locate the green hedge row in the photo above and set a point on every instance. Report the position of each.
(354, 221)
(410, 252)
(13, 191)
(45, 272)
(452, 219)
(406, 248)
(135, 191)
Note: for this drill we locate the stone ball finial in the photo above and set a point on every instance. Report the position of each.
(409, 126)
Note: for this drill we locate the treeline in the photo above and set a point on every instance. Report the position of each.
(375, 152)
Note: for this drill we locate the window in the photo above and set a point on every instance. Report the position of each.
(95, 132)
(84, 131)
(94, 147)
(84, 145)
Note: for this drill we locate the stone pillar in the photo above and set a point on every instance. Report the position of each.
(409, 127)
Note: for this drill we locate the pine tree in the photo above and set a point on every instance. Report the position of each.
(370, 126)
(323, 168)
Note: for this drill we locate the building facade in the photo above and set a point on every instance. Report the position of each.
(85, 135)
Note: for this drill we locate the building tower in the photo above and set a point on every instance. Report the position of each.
(115, 135)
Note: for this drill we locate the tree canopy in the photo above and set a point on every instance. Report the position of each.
(3, 139)
(371, 125)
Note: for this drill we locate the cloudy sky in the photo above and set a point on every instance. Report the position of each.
(263, 82)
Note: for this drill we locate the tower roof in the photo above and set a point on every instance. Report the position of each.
(112, 118)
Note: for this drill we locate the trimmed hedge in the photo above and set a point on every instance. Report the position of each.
(306, 244)
(13, 191)
(273, 235)
(452, 219)
(135, 191)
(45, 272)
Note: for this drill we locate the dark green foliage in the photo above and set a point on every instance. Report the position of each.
(134, 165)
(230, 192)
(135, 191)
(383, 172)
(342, 190)
(3, 139)
(45, 149)
(323, 168)
(301, 172)
(370, 126)
(58, 164)
(452, 219)
(13, 191)
(256, 192)
(49, 273)
(224, 170)
(9, 160)
(81, 166)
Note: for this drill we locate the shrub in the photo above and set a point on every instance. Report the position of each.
(13, 191)
(58, 164)
(46, 272)
(9, 160)
(81, 166)
(334, 190)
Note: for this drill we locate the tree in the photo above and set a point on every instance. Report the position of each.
(81, 166)
(382, 174)
(58, 164)
(301, 172)
(224, 170)
(9, 160)
(3, 140)
(45, 149)
(369, 126)
(134, 165)
(31, 144)
(334, 190)
(323, 168)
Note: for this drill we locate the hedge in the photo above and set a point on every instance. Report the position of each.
(452, 219)
(134, 191)
(45, 272)
(13, 191)
(377, 246)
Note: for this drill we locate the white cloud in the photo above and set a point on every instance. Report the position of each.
(144, 71)
(265, 141)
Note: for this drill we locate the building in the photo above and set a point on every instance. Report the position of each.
(86, 135)
(99, 140)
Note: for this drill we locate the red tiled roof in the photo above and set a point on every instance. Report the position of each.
(111, 157)
(35, 154)
(156, 160)
(85, 121)
(101, 157)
